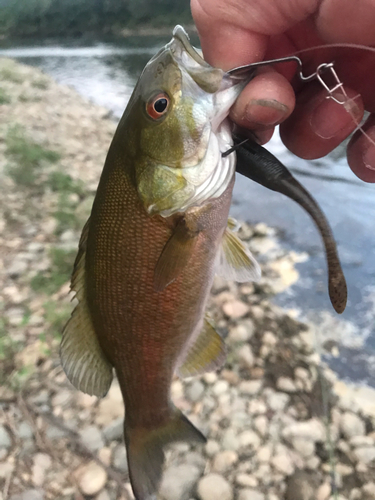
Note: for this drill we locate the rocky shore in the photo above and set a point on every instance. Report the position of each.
(279, 424)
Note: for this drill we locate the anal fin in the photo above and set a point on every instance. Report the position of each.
(207, 353)
(82, 358)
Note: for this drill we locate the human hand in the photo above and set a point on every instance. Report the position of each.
(238, 32)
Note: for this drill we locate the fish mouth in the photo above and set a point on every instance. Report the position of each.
(210, 79)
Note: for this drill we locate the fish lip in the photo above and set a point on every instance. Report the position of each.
(181, 36)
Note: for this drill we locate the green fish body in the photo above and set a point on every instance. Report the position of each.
(157, 234)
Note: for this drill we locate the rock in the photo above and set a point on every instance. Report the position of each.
(229, 440)
(277, 401)
(250, 494)
(91, 478)
(283, 463)
(264, 453)
(114, 430)
(17, 268)
(301, 486)
(351, 425)
(368, 491)
(120, 459)
(250, 387)
(212, 448)
(312, 430)
(224, 460)
(286, 384)
(362, 441)
(5, 440)
(62, 398)
(245, 356)
(246, 480)
(103, 495)
(92, 438)
(110, 407)
(29, 495)
(54, 433)
(324, 491)
(220, 387)
(242, 332)
(249, 439)
(42, 462)
(179, 482)
(195, 391)
(305, 447)
(365, 454)
(261, 425)
(235, 309)
(214, 487)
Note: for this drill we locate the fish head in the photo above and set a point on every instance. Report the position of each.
(177, 116)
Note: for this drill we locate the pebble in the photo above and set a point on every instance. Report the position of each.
(324, 491)
(369, 491)
(305, 447)
(229, 440)
(42, 462)
(246, 480)
(114, 431)
(54, 433)
(29, 495)
(242, 332)
(301, 486)
(224, 460)
(249, 439)
(212, 448)
(283, 463)
(195, 391)
(91, 478)
(5, 440)
(286, 384)
(264, 453)
(250, 387)
(220, 387)
(214, 487)
(277, 401)
(311, 429)
(235, 309)
(179, 482)
(365, 454)
(245, 356)
(351, 425)
(92, 438)
(250, 494)
(261, 425)
(120, 461)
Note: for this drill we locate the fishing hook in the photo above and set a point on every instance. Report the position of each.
(317, 75)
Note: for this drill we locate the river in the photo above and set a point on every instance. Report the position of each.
(105, 71)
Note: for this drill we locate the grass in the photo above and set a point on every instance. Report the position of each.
(56, 316)
(4, 97)
(61, 269)
(60, 182)
(11, 74)
(8, 351)
(27, 157)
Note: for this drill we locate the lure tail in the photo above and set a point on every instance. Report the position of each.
(145, 451)
(258, 164)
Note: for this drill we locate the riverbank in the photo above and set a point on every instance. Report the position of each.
(263, 413)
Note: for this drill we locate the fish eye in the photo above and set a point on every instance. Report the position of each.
(158, 106)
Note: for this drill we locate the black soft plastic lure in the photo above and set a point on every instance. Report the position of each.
(259, 165)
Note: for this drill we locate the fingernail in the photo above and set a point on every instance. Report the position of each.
(369, 158)
(329, 119)
(265, 112)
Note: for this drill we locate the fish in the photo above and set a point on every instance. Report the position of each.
(158, 232)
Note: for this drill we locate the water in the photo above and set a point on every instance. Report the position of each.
(106, 71)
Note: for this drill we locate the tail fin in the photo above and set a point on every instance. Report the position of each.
(146, 455)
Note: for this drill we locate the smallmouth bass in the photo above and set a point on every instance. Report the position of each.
(157, 234)
(147, 256)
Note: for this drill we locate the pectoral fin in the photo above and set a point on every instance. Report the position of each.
(175, 255)
(258, 164)
(82, 358)
(235, 260)
(207, 353)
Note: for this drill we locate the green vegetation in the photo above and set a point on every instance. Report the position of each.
(61, 268)
(8, 351)
(60, 182)
(26, 156)
(4, 97)
(56, 315)
(56, 17)
(10, 73)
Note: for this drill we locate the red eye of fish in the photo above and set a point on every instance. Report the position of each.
(157, 106)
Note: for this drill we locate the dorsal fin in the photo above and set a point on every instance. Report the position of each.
(206, 353)
(82, 358)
